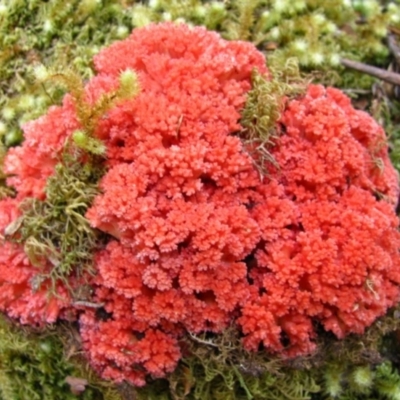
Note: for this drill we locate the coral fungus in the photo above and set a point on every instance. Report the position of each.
(329, 249)
(169, 197)
(197, 239)
(31, 164)
(187, 208)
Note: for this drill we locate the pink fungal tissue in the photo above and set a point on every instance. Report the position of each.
(199, 241)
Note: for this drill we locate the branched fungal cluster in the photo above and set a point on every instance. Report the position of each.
(191, 211)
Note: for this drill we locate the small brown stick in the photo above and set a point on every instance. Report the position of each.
(207, 342)
(382, 74)
(394, 30)
(394, 48)
(82, 303)
(351, 91)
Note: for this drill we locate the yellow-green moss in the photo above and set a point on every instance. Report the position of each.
(64, 35)
(54, 231)
(216, 367)
(58, 34)
(264, 104)
(34, 366)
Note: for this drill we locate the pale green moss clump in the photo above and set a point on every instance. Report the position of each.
(319, 33)
(58, 35)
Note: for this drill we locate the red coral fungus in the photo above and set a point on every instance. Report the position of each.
(121, 346)
(330, 238)
(183, 197)
(169, 195)
(199, 241)
(31, 164)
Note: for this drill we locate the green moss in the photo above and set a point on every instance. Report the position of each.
(217, 368)
(213, 367)
(4, 189)
(34, 366)
(54, 231)
(388, 113)
(89, 114)
(58, 34)
(242, 23)
(66, 34)
(388, 381)
(265, 102)
(317, 32)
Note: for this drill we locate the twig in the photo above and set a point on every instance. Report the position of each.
(382, 74)
(394, 30)
(82, 303)
(197, 339)
(394, 48)
(351, 91)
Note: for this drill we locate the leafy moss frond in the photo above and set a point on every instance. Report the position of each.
(361, 379)
(74, 85)
(89, 144)
(243, 17)
(56, 235)
(89, 114)
(5, 191)
(388, 381)
(333, 381)
(264, 105)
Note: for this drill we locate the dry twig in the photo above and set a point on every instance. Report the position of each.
(382, 74)
(394, 48)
